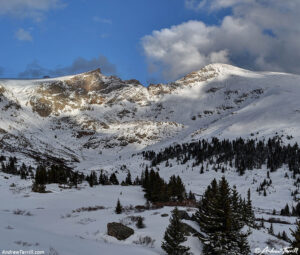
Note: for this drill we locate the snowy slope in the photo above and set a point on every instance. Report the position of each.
(95, 122)
(85, 116)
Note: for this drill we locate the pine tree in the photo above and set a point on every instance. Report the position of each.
(41, 175)
(219, 218)
(137, 181)
(285, 211)
(113, 179)
(265, 193)
(271, 230)
(250, 218)
(92, 180)
(103, 179)
(296, 236)
(119, 208)
(174, 236)
(262, 225)
(191, 196)
(128, 180)
(202, 170)
(284, 236)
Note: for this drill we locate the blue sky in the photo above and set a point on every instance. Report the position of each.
(55, 37)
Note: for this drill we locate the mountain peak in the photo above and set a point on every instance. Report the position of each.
(95, 71)
(223, 68)
(211, 71)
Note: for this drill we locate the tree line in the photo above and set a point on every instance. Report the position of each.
(239, 153)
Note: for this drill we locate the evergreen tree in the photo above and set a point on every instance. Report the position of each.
(176, 189)
(285, 211)
(92, 180)
(41, 175)
(249, 217)
(23, 171)
(113, 179)
(262, 225)
(296, 210)
(219, 218)
(119, 208)
(174, 236)
(191, 196)
(103, 179)
(137, 181)
(202, 170)
(284, 236)
(271, 230)
(128, 180)
(265, 193)
(296, 236)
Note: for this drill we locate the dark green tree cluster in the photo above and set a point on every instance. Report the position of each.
(263, 186)
(295, 210)
(157, 190)
(93, 180)
(113, 179)
(103, 179)
(55, 174)
(283, 236)
(11, 167)
(221, 215)
(240, 153)
(174, 236)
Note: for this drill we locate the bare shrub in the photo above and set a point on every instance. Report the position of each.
(145, 240)
(89, 209)
(22, 212)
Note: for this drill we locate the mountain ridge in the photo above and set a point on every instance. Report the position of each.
(77, 117)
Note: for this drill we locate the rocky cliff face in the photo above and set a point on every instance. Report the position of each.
(79, 117)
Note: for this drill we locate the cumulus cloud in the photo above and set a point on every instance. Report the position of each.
(23, 35)
(79, 65)
(257, 35)
(28, 8)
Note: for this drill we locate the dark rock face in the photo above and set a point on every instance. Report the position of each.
(119, 231)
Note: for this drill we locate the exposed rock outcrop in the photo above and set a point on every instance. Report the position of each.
(119, 231)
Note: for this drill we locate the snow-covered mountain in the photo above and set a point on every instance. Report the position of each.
(84, 117)
(94, 122)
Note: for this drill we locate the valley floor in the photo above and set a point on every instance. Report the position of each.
(47, 222)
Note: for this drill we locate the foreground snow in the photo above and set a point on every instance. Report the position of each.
(47, 222)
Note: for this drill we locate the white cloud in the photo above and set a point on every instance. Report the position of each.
(28, 8)
(258, 35)
(176, 50)
(23, 35)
